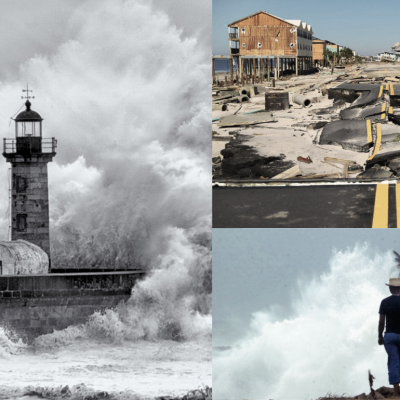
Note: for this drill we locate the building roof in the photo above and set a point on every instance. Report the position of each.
(28, 114)
(252, 15)
(315, 39)
(300, 24)
(295, 22)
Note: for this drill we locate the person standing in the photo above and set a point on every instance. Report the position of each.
(389, 312)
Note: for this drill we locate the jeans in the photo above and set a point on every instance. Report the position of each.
(391, 342)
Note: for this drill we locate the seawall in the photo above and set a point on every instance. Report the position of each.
(33, 305)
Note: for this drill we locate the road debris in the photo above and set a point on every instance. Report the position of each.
(304, 160)
(355, 117)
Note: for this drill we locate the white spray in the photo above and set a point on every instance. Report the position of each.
(127, 98)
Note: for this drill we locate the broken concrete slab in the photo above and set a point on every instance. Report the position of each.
(367, 98)
(336, 106)
(350, 92)
(394, 95)
(375, 173)
(390, 133)
(383, 157)
(394, 165)
(250, 119)
(351, 135)
(394, 115)
(375, 112)
(317, 125)
(386, 148)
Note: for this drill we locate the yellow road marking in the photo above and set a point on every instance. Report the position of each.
(398, 204)
(391, 90)
(381, 206)
(369, 131)
(378, 141)
(390, 110)
(380, 91)
(383, 111)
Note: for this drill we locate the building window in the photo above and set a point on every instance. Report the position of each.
(21, 222)
(21, 184)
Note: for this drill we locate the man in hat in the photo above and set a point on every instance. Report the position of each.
(390, 311)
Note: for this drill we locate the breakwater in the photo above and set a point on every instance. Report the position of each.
(33, 305)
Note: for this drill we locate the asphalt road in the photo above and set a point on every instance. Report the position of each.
(324, 206)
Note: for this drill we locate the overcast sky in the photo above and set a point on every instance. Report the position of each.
(349, 23)
(258, 269)
(29, 28)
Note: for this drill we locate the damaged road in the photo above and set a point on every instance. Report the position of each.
(349, 132)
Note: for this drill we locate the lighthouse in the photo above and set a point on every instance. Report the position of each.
(29, 153)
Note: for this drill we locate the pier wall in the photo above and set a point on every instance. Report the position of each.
(33, 305)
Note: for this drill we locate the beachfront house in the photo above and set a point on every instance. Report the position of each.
(319, 54)
(271, 43)
(389, 55)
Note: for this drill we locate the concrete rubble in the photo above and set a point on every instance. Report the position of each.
(352, 115)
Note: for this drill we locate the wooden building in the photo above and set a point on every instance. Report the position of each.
(264, 42)
(319, 47)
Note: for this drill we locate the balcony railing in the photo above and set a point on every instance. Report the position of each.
(32, 145)
(233, 36)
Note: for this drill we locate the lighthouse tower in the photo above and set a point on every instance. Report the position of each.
(29, 154)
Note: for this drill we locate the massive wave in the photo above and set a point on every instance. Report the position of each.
(327, 346)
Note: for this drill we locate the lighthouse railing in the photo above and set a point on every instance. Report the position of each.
(14, 146)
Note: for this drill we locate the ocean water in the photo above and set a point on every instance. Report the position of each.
(327, 346)
(129, 187)
(139, 369)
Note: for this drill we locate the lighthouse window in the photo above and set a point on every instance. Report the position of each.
(21, 222)
(21, 184)
(29, 128)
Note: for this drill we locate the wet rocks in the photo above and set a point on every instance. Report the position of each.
(198, 394)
